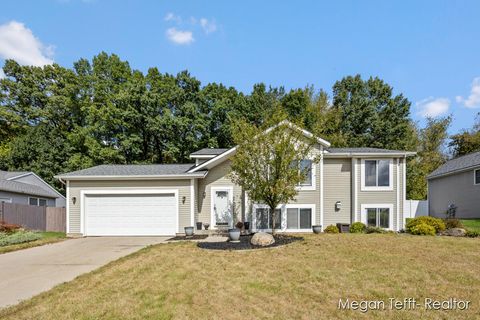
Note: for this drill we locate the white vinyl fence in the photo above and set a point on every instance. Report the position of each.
(415, 208)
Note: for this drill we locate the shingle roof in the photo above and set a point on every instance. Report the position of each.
(464, 162)
(132, 170)
(25, 188)
(363, 150)
(209, 151)
(11, 174)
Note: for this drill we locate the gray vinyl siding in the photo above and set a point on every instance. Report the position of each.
(459, 189)
(379, 197)
(337, 187)
(21, 198)
(33, 180)
(183, 187)
(217, 177)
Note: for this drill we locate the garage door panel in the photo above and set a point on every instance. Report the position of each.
(127, 214)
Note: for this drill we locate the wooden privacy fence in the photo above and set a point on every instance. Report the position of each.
(34, 217)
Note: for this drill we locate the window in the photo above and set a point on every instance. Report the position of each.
(477, 176)
(299, 218)
(305, 166)
(377, 174)
(378, 217)
(37, 202)
(264, 218)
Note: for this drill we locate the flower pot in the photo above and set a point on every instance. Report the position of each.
(199, 225)
(317, 229)
(246, 225)
(189, 231)
(234, 235)
(206, 225)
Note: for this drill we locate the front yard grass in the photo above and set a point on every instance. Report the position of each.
(46, 238)
(471, 224)
(303, 280)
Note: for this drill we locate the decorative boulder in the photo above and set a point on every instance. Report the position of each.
(262, 239)
(455, 232)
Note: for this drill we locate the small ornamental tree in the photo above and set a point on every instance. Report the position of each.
(266, 162)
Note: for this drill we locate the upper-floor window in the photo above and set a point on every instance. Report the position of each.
(377, 174)
(306, 167)
(477, 176)
(37, 202)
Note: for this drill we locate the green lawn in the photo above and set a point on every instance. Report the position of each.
(46, 237)
(471, 224)
(303, 280)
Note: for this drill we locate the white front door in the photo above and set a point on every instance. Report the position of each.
(222, 206)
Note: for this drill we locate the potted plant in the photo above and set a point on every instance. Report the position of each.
(234, 235)
(206, 225)
(317, 229)
(188, 231)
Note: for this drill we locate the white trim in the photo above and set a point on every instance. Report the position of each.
(321, 190)
(135, 177)
(213, 160)
(390, 176)
(192, 202)
(124, 190)
(369, 154)
(283, 222)
(388, 206)
(398, 195)
(41, 180)
(313, 186)
(38, 201)
(474, 176)
(213, 220)
(355, 189)
(203, 156)
(404, 174)
(6, 200)
(67, 207)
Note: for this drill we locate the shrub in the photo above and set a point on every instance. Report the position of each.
(453, 223)
(239, 225)
(423, 229)
(357, 227)
(375, 230)
(436, 223)
(331, 229)
(8, 227)
(472, 234)
(19, 237)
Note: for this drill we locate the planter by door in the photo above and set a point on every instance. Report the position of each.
(199, 225)
(234, 235)
(189, 231)
(317, 229)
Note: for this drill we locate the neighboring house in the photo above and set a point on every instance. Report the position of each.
(347, 185)
(456, 183)
(28, 188)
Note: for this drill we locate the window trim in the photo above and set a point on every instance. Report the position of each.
(6, 200)
(377, 188)
(388, 206)
(283, 222)
(38, 201)
(475, 177)
(313, 186)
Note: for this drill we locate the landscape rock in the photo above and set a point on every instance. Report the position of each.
(455, 232)
(262, 239)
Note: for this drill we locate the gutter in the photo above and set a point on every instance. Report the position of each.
(429, 177)
(368, 154)
(134, 177)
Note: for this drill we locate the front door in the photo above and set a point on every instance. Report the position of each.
(222, 206)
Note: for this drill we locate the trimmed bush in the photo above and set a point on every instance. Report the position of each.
(375, 230)
(472, 234)
(453, 223)
(331, 229)
(423, 229)
(357, 227)
(19, 237)
(436, 223)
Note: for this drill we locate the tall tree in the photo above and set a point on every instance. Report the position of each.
(467, 141)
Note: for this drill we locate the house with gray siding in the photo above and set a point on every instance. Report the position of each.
(25, 187)
(345, 186)
(456, 183)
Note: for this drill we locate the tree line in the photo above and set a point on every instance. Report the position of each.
(55, 119)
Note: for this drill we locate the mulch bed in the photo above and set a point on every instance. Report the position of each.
(194, 237)
(245, 244)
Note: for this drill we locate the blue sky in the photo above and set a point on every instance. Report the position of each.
(427, 50)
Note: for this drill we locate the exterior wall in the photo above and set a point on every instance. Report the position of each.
(33, 180)
(337, 187)
(458, 189)
(217, 177)
(381, 197)
(21, 198)
(75, 188)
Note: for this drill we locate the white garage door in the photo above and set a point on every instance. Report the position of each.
(130, 215)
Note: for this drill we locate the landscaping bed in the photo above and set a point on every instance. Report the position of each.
(13, 237)
(244, 244)
(186, 238)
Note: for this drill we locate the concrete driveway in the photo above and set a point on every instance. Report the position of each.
(28, 272)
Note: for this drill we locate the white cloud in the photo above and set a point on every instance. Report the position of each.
(431, 107)
(18, 42)
(473, 100)
(208, 26)
(172, 17)
(180, 36)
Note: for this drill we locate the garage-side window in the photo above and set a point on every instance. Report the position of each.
(477, 176)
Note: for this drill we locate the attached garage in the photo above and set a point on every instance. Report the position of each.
(130, 214)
